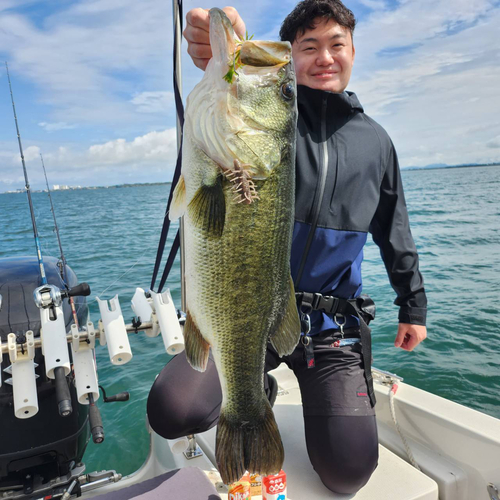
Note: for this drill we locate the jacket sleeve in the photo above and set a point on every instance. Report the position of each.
(390, 228)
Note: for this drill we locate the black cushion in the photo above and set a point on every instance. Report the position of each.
(183, 401)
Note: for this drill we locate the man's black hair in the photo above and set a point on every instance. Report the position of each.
(303, 17)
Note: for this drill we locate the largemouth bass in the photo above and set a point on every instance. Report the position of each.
(236, 193)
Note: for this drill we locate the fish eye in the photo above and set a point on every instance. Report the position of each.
(287, 91)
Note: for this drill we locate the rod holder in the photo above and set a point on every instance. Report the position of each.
(84, 365)
(113, 331)
(23, 377)
(143, 309)
(166, 315)
(54, 342)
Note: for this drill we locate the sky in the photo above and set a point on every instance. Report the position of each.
(92, 82)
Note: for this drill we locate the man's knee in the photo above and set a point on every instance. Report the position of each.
(347, 478)
(343, 450)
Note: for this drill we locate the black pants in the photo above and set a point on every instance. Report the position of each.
(340, 427)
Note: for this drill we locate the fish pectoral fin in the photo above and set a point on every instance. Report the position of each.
(197, 348)
(254, 445)
(208, 208)
(287, 334)
(178, 206)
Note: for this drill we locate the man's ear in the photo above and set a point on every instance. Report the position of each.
(353, 53)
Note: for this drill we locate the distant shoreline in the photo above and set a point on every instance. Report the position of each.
(137, 184)
(443, 167)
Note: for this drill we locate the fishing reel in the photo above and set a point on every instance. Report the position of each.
(50, 295)
(47, 296)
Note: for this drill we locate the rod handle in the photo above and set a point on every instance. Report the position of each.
(96, 427)
(81, 290)
(62, 393)
(121, 396)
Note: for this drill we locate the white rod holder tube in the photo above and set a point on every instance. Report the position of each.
(115, 331)
(141, 306)
(85, 375)
(169, 323)
(24, 380)
(54, 342)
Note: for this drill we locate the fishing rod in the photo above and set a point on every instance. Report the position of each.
(28, 190)
(48, 298)
(63, 259)
(96, 426)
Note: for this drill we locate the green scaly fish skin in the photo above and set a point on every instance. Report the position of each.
(239, 291)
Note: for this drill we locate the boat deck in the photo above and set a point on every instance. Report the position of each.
(394, 479)
(456, 447)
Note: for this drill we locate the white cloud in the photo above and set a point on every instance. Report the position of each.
(494, 143)
(152, 147)
(415, 22)
(51, 127)
(78, 57)
(427, 70)
(146, 158)
(374, 4)
(438, 98)
(30, 153)
(153, 102)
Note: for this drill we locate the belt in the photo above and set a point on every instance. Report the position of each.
(308, 302)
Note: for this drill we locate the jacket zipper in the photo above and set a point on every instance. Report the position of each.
(318, 200)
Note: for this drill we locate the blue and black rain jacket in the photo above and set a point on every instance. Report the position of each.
(348, 183)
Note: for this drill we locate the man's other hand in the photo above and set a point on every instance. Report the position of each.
(409, 336)
(198, 39)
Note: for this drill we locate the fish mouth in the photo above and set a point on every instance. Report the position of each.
(255, 53)
(265, 54)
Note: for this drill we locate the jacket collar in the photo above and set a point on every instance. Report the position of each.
(310, 101)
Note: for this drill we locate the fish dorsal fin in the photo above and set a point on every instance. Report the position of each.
(222, 38)
(287, 333)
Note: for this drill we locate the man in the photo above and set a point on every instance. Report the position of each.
(348, 184)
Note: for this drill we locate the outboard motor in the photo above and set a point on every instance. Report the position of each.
(46, 446)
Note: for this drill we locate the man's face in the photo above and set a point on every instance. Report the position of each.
(324, 57)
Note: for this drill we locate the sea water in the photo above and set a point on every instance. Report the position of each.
(110, 237)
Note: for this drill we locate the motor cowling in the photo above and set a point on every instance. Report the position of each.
(45, 446)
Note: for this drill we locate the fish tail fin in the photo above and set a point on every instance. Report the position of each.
(255, 447)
